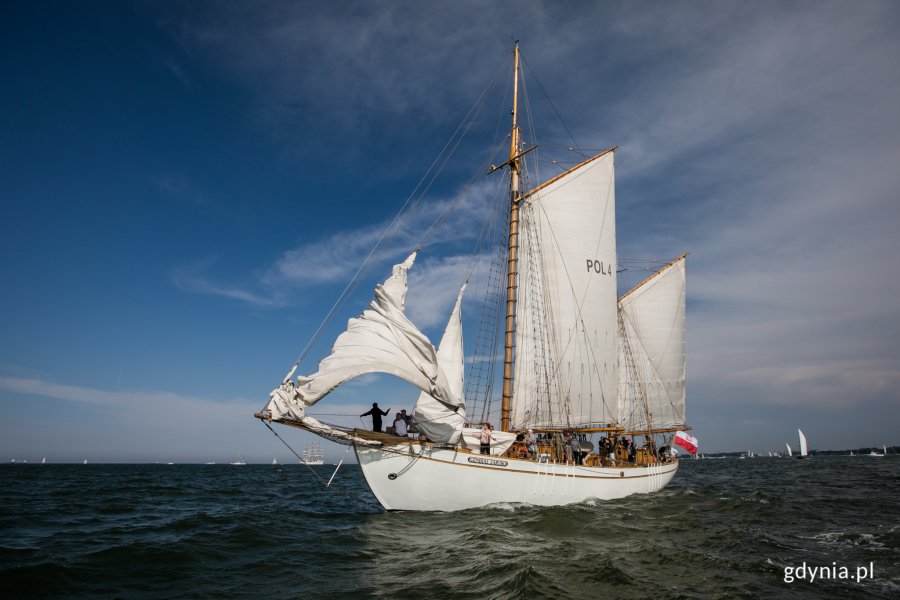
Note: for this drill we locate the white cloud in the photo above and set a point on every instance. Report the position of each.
(194, 278)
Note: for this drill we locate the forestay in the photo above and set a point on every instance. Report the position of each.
(566, 362)
(652, 351)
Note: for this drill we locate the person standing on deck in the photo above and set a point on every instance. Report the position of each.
(486, 438)
(576, 449)
(531, 444)
(400, 425)
(376, 416)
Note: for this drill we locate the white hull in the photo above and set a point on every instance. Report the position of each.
(446, 480)
(313, 462)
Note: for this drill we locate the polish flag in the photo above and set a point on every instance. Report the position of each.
(686, 441)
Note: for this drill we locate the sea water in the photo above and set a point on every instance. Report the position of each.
(723, 528)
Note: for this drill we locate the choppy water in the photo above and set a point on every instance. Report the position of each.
(723, 528)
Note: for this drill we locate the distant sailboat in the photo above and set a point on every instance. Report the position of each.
(803, 448)
(84, 462)
(874, 453)
(240, 461)
(275, 462)
(44, 461)
(788, 446)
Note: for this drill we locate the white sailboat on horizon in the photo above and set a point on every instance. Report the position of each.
(578, 361)
(803, 447)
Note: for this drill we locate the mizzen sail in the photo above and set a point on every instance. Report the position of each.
(652, 351)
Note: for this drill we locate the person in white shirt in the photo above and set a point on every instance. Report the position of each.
(486, 431)
(400, 426)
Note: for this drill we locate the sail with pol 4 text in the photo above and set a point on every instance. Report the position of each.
(590, 385)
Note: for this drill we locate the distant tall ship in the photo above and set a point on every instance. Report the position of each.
(312, 455)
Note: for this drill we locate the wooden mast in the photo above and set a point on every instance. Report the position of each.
(512, 255)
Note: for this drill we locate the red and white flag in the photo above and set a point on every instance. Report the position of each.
(686, 441)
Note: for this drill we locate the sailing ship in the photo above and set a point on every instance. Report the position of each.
(240, 461)
(312, 455)
(580, 363)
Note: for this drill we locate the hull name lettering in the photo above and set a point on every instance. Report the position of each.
(488, 461)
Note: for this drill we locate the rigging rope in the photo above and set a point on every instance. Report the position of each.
(319, 477)
(414, 198)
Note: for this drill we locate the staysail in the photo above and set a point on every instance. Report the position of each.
(438, 421)
(565, 364)
(652, 351)
(382, 339)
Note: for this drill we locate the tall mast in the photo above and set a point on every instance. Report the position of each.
(512, 260)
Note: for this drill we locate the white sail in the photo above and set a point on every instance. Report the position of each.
(652, 351)
(565, 365)
(788, 446)
(803, 448)
(382, 339)
(435, 419)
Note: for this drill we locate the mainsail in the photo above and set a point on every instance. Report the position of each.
(803, 447)
(652, 351)
(565, 367)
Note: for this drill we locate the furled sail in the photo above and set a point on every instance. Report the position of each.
(382, 339)
(438, 421)
(565, 365)
(652, 351)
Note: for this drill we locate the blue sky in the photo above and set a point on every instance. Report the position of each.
(185, 189)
